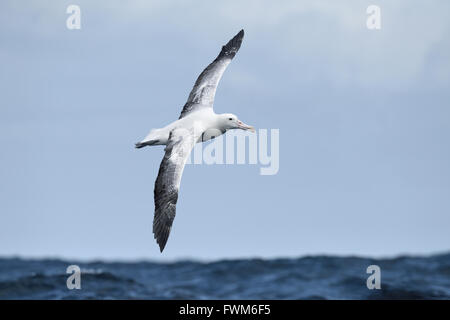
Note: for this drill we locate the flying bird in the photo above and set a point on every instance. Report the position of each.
(197, 123)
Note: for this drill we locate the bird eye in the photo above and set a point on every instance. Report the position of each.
(230, 119)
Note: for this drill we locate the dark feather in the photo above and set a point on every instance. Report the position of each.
(204, 90)
(168, 182)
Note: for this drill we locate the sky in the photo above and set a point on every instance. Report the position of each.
(363, 118)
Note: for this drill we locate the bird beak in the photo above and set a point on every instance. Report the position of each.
(244, 126)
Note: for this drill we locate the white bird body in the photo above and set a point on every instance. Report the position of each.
(204, 120)
(197, 123)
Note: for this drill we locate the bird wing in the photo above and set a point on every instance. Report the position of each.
(181, 141)
(204, 90)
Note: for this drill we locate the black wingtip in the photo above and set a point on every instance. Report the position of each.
(162, 244)
(160, 236)
(230, 49)
(237, 39)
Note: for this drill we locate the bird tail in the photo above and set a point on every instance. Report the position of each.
(145, 143)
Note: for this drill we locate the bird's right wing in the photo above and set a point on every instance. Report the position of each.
(181, 141)
(204, 90)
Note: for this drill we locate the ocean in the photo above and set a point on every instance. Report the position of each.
(311, 277)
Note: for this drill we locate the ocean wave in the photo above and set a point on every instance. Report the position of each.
(319, 277)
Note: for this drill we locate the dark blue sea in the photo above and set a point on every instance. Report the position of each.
(315, 277)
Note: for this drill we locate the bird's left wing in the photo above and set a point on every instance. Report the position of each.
(204, 90)
(181, 141)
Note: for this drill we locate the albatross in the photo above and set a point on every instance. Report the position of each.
(197, 123)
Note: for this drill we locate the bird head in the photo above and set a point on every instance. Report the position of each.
(230, 121)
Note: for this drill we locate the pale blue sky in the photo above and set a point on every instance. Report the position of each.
(363, 115)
